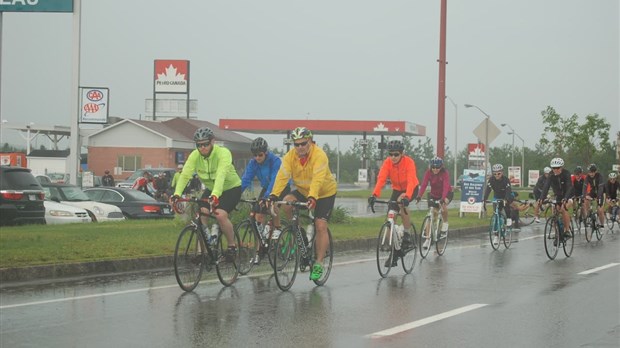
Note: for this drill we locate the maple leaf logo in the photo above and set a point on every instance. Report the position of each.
(171, 75)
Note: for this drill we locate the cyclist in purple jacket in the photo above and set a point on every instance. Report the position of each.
(441, 189)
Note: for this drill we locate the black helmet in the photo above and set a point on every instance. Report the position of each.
(592, 168)
(258, 145)
(578, 170)
(203, 134)
(396, 145)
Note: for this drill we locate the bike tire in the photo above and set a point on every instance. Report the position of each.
(569, 242)
(286, 259)
(551, 238)
(189, 258)
(442, 238)
(507, 238)
(227, 271)
(600, 231)
(527, 218)
(247, 247)
(609, 222)
(494, 229)
(385, 250)
(328, 259)
(589, 227)
(426, 227)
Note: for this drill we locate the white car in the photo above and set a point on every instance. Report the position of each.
(74, 196)
(58, 213)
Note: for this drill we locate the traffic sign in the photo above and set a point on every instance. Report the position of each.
(480, 131)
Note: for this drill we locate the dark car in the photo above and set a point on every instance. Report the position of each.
(21, 197)
(134, 204)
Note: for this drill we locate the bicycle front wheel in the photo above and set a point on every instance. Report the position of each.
(442, 237)
(551, 238)
(189, 258)
(507, 236)
(385, 250)
(328, 259)
(426, 237)
(286, 259)
(610, 221)
(494, 231)
(569, 241)
(226, 266)
(410, 254)
(527, 218)
(599, 232)
(589, 226)
(248, 246)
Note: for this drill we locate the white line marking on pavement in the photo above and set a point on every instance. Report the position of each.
(593, 270)
(421, 322)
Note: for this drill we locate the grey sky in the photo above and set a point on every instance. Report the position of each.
(346, 59)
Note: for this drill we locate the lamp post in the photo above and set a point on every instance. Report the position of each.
(522, 157)
(486, 137)
(512, 131)
(456, 148)
(1, 133)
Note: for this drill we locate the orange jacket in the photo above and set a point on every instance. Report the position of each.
(403, 176)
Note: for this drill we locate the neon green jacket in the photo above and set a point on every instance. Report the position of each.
(216, 172)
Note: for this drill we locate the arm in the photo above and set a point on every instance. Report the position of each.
(248, 175)
(412, 178)
(274, 167)
(446, 185)
(425, 180)
(488, 190)
(186, 174)
(381, 178)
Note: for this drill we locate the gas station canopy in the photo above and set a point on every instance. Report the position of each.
(335, 127)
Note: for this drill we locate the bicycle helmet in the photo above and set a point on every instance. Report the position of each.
(258, 145)
(613, 175)
(436, 162)
(301, 133)
(578, 170)
(396, 145)
(203, 134)
(556, 162)
(592, 167)
(547, 170)
(497, 167)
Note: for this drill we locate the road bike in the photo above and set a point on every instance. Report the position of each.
(526, 211)
(430, 230)
(498, 231)
(591, 227)
(295, 250)
(200, 248)
(578, 216)
(257, 240)
(390, 246)
(612, 215)
(556, 234)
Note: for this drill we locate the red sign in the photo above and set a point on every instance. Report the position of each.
(171, 76)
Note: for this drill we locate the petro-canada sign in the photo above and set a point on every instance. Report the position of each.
(171, 76)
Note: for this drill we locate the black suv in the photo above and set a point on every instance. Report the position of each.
(21, 197)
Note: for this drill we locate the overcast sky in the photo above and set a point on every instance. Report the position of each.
(344, 59)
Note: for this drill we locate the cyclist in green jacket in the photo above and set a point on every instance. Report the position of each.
(213, 165)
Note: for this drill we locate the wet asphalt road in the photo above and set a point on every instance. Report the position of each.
(470, 297)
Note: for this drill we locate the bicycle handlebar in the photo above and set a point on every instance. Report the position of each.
(180, 209)
(372, 206)
(295, 204)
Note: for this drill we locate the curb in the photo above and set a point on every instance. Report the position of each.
(108, 267)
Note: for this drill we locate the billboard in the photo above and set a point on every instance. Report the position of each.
(472, 188)
(514, 175)
(36, 6)
(94, 102)
(171, 76)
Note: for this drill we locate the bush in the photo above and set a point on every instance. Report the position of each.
(340, 216)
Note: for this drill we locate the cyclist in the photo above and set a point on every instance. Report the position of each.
(107, 179)
(401, 171)
(144, 183)
(501, 190)
(441, 190)
(593, 180)
(540, 183)
(609, 190)
(213, 166)
(560, 182)
(175, 178)
(264, 165)
(578, 178)
(307, 166)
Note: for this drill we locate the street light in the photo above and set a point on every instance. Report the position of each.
(512, 131)
(522, 157)
(456, 148)
(1, 132)
(486, 137)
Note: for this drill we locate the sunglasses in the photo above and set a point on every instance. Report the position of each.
(259, 154)
(199, 145)
(497, 174)
(556, 168)
(435, 167)
(394, 154)
(303, 143)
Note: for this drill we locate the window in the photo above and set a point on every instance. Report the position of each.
(129, 163)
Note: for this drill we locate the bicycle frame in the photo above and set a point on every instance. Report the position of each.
(554, 235)
(498, 226)
(430, 228)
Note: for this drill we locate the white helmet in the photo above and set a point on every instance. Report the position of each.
(497, 167)
(556, 162)
(613, 175)
(547, 170)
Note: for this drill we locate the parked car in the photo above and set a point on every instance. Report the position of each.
(73, 195)
(58, 213)
(138, 173)
(21, 197)
(134, 204)
(59, 178)
(43, 179)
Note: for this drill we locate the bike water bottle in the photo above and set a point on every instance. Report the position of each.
(310, 232)
(266, 229)
(215, 229)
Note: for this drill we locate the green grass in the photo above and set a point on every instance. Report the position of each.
(60, 244)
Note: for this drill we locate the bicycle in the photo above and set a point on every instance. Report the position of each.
(526, 212)
(591, 226)
(256, 239)
(556, 233)
(498, 231)
(390, 242)
(612, 216)
(199, 249)
(578, 216)
(294, 250)
(430, 226)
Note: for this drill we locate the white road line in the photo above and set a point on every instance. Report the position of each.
(421, 322)
(593, 270)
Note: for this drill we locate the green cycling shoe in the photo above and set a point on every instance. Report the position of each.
(317, 271)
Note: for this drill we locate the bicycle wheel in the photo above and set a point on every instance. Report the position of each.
(286, 259)
(578, 220)
(248, 246)
(569, 241)
(385, 250)
(410, 254)
(494, 229)
(551, 238)
(527, 218)
(227, 270)
(425, 235)
(507, 231)
(442, 237)
(189, 258)
(328, 259)
(610, 221)
(599, 231)
(588, 228)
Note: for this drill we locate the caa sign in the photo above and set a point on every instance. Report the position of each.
(36, 5)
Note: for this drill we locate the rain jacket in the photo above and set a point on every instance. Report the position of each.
(403, 176)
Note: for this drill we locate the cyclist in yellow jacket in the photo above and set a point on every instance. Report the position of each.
(307, 166)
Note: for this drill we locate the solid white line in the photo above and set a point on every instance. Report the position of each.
(593, 270)
(421, 322)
